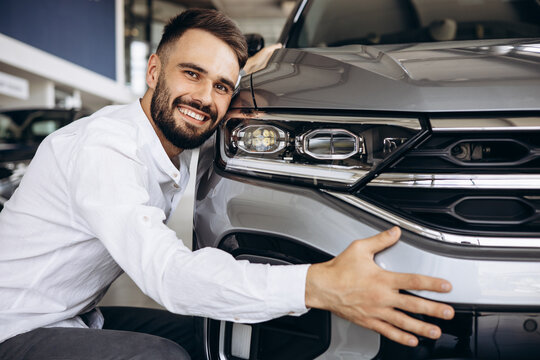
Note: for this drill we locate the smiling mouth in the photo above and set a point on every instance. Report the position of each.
(192, 114)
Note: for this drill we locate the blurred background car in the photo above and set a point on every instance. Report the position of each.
(422, 114)
(21, 132)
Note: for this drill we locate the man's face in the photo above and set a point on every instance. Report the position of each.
(194, 88)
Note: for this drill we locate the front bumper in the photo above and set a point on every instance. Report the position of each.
(496, 291)
(479, 276)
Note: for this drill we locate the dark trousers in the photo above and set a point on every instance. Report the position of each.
(128, 333)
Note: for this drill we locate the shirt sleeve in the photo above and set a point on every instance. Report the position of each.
(109, 190)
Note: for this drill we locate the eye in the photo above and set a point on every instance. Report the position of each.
(191, 74)
(222, 88)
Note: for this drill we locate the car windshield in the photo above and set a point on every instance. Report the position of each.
(31, 126)
(327, 23)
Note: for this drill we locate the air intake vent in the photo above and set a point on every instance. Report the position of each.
(479, 210)
(491, 152)
(460, 211)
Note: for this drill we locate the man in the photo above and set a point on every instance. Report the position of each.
(93, 203)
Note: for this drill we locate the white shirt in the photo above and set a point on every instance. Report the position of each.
(93, 204)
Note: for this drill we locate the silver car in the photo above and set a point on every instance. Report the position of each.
(423, 114)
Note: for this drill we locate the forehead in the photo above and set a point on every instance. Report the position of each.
(209, 52)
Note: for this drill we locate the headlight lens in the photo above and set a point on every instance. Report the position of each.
(259, 139)
(333, 151)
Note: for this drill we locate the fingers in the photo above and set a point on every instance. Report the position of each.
(273, 47)
(412, 325)
(260, 59)
(392, 332)
(418, 305)
(419, 282)
(400, 327)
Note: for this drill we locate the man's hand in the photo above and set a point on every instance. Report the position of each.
(260, 59)
(354, 287)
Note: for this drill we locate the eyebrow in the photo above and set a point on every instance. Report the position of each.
(197, 68)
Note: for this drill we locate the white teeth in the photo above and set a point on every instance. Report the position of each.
(191, 114)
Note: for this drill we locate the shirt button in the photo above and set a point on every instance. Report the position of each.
(146, 218)
(175, 175)
(176, 186)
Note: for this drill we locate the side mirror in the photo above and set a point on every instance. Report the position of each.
(255, 43)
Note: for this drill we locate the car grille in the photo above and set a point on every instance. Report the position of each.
(462, 211)
(472, 178)
(481, 153)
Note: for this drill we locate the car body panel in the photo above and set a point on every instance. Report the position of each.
(432, 77)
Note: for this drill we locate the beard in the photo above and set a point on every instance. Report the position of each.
(184, 135)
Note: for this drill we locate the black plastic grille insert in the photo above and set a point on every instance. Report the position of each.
(462, 210)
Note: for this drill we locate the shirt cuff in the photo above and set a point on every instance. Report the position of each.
(287, 289)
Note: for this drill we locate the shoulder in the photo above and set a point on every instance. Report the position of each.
(112, 120)
(108, 127)
(111, 131)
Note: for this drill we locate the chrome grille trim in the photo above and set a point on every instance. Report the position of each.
(343, 175)
(458, 181)
(409, 123)
(435, 234)
(493, 124)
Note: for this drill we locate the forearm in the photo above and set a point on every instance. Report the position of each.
(211, 283)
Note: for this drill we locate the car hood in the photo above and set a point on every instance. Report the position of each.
(430, 77)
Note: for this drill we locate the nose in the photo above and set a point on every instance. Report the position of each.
(203, 94)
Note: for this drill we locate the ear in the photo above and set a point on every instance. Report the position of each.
(152, 71)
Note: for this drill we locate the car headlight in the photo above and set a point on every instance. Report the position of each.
(319, 150)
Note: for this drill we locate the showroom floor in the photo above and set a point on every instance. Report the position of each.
(123, 291)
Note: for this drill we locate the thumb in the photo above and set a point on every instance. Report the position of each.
(383, 240)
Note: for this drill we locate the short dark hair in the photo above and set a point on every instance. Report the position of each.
(209, 20)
